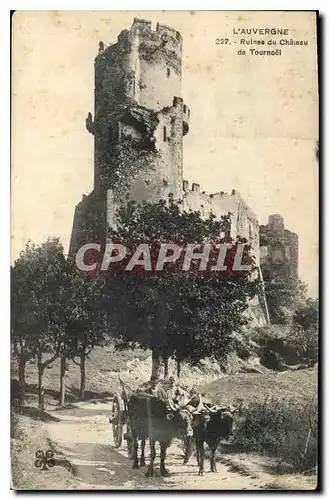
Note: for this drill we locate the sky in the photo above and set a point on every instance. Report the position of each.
(253, 124)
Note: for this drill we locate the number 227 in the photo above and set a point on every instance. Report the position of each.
(221, 41)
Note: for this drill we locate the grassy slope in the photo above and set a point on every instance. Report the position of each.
(104, 365)
(280, 426)
(102, 368)
(102, 374)
(300, 384)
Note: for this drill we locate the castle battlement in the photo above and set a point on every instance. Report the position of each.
(143, 66)
(234, 196)
(166, 38)
(144, 27)
(244, 221)
(141, 24)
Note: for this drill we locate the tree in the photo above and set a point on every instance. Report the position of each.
(283, 298)
(205, 319)
(38, 313)
(23, 348)
(86, 314)
(185, 314)
(303, 336)
(307, 316)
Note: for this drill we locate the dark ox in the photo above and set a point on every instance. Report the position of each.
(210, 425)
(156, 420)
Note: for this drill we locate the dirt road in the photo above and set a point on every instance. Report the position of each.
(83, 435)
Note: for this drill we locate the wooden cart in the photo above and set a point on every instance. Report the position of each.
(120, 420)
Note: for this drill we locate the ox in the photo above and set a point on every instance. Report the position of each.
(210, 424)
(158, 420)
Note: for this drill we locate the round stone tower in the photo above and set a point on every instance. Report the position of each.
(140, 118)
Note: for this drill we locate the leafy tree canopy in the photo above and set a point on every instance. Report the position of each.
(38, 281)
(186, 314)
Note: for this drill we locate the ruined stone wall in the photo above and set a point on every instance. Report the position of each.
(159, 173)
(157, 65)
(244, 222)
(291, 247)
(143, 66)
(142, 156)
(278, 251)
(89, 223)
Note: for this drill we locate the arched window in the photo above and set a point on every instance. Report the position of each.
(164, 134)
(168, 72)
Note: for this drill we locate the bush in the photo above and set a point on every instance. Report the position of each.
(307, 316)
(305, 343)
(291, 345)
(281, 428)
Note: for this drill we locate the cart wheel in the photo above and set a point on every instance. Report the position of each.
(117, 420)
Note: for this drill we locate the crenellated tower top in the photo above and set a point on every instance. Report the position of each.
(140, 117)
(143, 66)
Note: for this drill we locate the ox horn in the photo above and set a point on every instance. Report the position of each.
(212, 409)
(172, 405)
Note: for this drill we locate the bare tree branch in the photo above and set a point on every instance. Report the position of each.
(53, 358)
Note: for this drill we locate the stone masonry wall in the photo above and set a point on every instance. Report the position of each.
(244, 222)
(279, 251)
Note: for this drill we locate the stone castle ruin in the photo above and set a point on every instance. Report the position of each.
(278, 251)
(139, 123)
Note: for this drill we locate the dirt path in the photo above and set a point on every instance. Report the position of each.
(83, 435)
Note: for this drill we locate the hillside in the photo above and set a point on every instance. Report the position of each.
(104, 366)
(299, 385)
